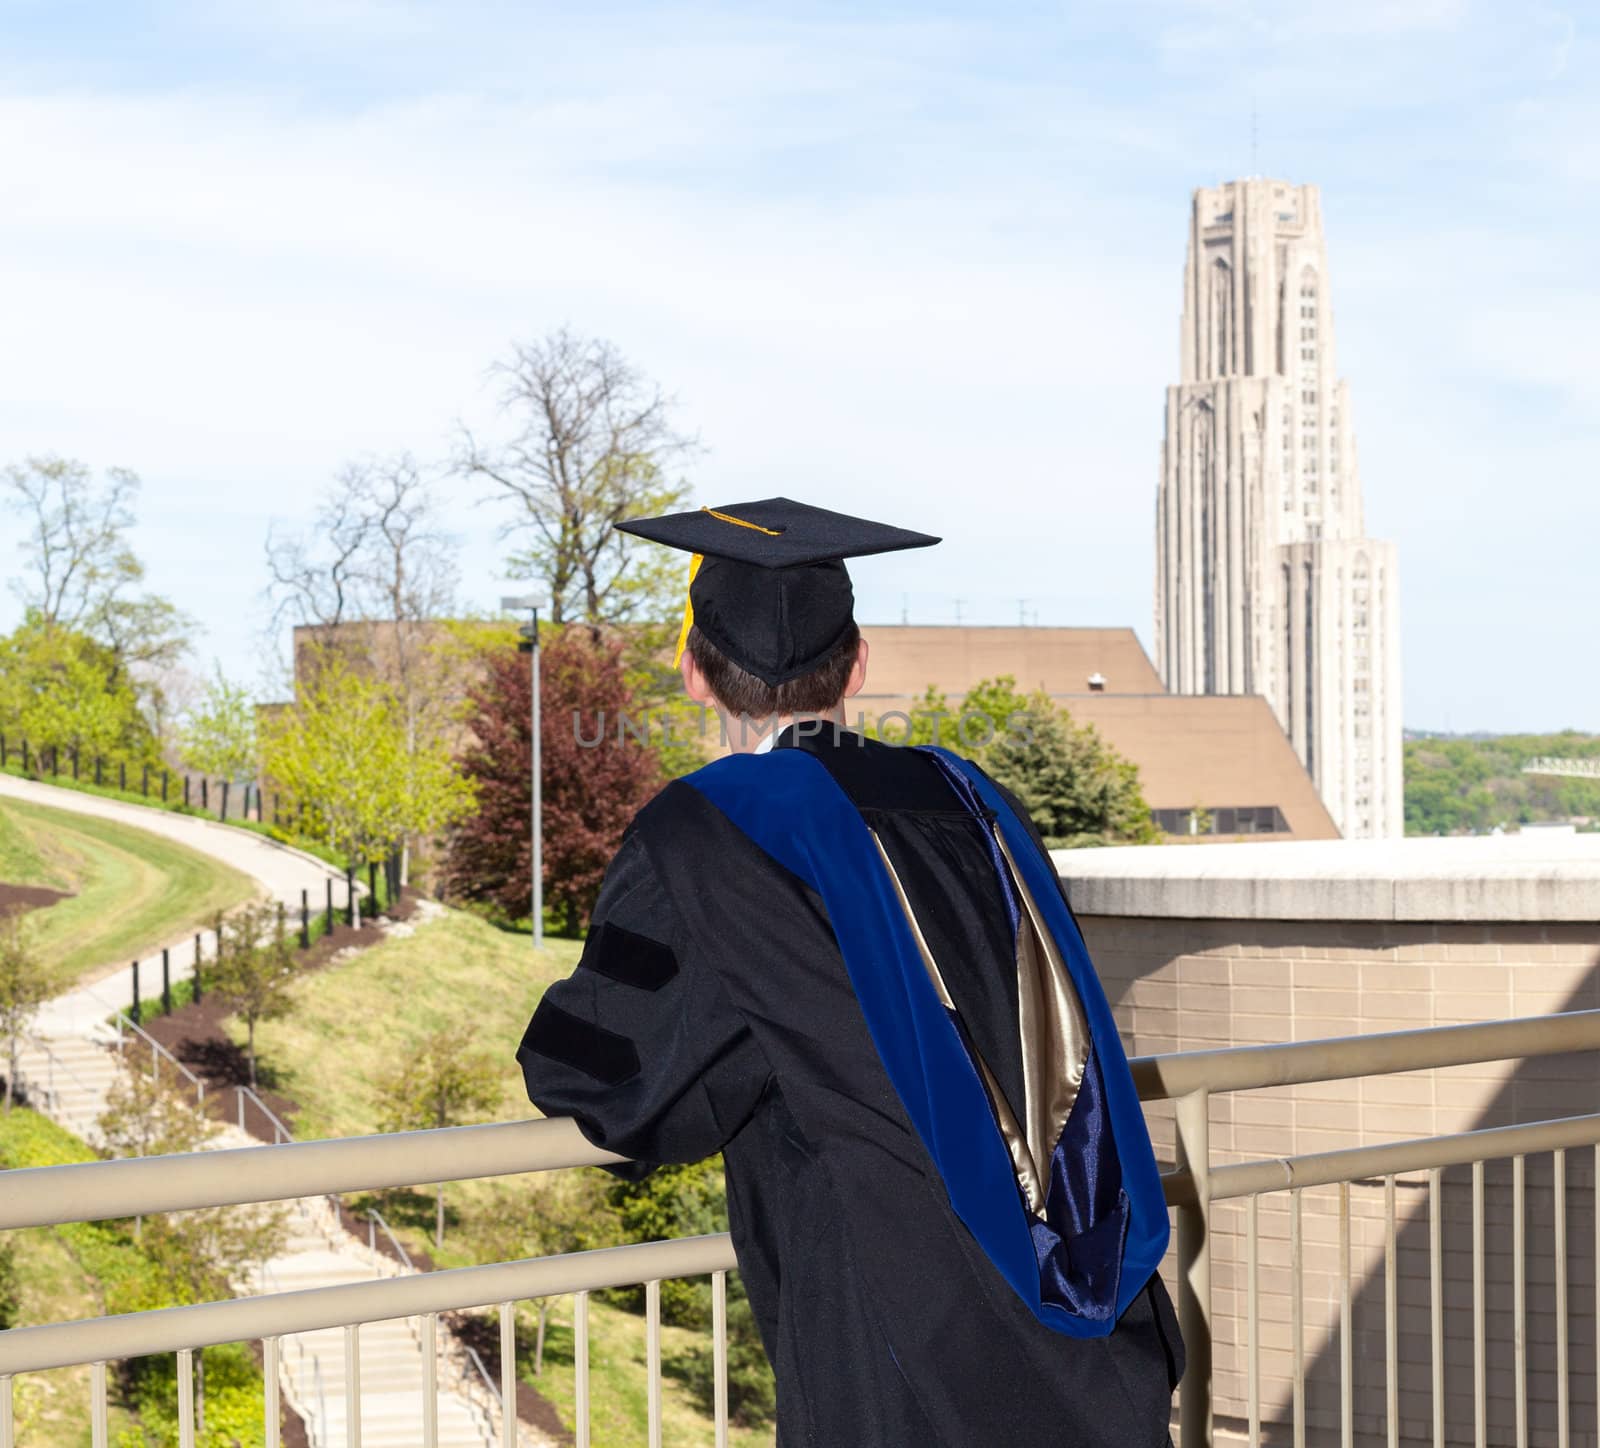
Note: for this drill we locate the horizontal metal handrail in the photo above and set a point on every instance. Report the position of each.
(1250, 1068)
(1360, 1163)
(46, 1196)
(244, 1319)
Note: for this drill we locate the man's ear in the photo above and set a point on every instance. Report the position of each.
(858, 671)
(694, 682)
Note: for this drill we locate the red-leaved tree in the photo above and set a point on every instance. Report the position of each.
(595, 777)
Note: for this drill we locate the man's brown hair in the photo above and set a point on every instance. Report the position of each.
(742, 693)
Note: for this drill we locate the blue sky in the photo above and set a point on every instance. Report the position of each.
(922, 263)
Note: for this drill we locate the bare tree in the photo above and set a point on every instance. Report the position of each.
(377, 554)
(376, 550)
(80, 571)
(592, 445)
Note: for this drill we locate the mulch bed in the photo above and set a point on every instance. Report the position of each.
(195, 1035)
(23, 898)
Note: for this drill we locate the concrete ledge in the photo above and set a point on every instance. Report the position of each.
(1532, 877)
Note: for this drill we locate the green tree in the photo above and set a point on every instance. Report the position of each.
(22, 989)
(1077, 788)
(969, 728)
(147, 1115)
(80, 572)
(554, 1212)
(344, 753)
(10, 1285)
(61, 688)
(254, 971)
(219, 736)
(445, 1081)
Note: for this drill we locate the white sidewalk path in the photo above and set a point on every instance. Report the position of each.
(280, 871)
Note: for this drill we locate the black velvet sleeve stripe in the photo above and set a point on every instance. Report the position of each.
(626, 956)
(600, 1054)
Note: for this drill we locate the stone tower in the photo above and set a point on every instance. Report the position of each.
(1265, 580)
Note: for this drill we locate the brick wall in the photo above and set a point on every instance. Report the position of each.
(1184, 985)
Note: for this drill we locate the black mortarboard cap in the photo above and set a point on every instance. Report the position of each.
(767, 584)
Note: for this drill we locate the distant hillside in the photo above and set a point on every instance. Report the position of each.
(1460, 783)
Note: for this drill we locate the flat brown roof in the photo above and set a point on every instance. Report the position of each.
(906, 658)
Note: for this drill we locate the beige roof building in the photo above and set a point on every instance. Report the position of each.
(1223, 753)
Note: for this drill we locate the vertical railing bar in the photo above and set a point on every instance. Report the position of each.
(652, 1311)
(430, 1380)
(1519, 1291)
(508, 1374)
(1563, 1371)
(1297, 1315)
(1346, 1347)
(1253, 1321)
(1391, 1317)
(1436, 1296)
(186, 1397)
(1480, 1400)
(99, 1410)
(1195, 1408)
(719, 1356)
(352, 1385)
(271, 1413)
(580, 1367)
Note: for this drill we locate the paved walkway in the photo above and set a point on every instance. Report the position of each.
(280, 871)
(70, 1069)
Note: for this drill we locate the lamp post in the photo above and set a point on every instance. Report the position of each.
(530, 645)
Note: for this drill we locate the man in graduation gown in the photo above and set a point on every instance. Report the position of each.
(850, 968)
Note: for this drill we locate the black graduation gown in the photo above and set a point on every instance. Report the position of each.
(712, 1011)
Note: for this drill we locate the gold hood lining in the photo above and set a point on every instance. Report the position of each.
(1053, 1029)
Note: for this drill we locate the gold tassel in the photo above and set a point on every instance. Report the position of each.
(688, 609)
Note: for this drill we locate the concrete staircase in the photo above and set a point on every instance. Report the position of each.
(320, 1253)
(68, 1078)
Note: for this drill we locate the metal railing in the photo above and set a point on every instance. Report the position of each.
(105, 1190)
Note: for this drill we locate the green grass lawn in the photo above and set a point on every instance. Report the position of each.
(132, 891)
(354, 1020)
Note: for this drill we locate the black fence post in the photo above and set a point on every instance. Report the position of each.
(166, 983)
(305, 920)
(55, 760)
(24, 756)
(99, 770)
(329, 883)
(74, 761)
(349, 895)
(186, 791)
(259, 820)
(199, 956)
(122, 775)
(136, 992)
(372, 885)
(144, 784)
(3, 748)
(166, 779)
(205, 793)
(224, 814)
